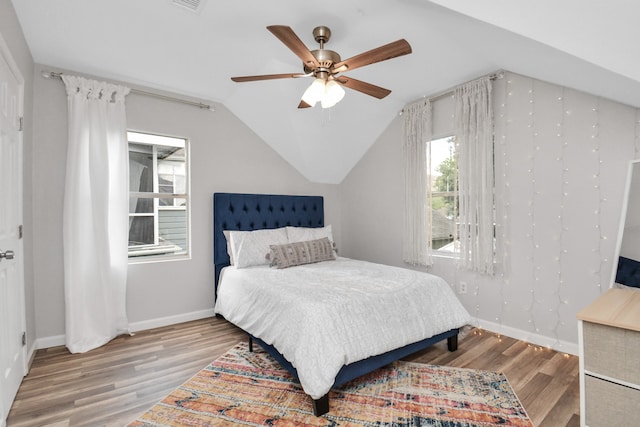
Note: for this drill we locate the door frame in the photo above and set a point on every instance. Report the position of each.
(7, 56)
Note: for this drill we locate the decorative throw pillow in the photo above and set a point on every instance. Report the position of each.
(299, 253)
(252, 247)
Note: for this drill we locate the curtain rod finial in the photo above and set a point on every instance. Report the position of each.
(50, 74)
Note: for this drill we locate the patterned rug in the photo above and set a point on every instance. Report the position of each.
(251, 389)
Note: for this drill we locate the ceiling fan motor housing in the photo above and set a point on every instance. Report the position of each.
(326, 58)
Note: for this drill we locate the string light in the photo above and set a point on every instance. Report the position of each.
(595, 149)
(532, 208)
(503, 223)
(564, 182)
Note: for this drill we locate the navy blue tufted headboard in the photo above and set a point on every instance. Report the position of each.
(234, 211)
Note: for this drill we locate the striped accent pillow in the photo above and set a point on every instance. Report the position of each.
(299, 253)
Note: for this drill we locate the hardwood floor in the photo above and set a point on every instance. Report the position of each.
(112, 385)
(545, 381)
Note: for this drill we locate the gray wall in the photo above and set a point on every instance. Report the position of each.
(225, 156)
(561, 159)
(560, 154)
(13, 36)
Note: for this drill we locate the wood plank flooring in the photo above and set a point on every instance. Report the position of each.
(545, 381)
(112, 385)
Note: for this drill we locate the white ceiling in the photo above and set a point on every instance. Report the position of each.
(590, 46)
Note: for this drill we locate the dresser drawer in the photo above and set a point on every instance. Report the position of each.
(612, 352)
(609, 404)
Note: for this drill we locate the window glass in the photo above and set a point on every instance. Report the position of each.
(443, 182)
(158, 196)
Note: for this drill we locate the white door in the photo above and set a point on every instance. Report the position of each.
(12, 307)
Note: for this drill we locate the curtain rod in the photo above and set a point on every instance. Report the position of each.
(52, 74)
(492, 76)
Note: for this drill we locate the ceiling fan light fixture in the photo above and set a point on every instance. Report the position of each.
(328, 93)
(314, 93)
(333, 93)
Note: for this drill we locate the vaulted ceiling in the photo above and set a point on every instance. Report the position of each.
(589, 46)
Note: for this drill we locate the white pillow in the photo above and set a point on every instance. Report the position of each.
(235, 239)
(302, 234)
(227, 236)
(252, 247)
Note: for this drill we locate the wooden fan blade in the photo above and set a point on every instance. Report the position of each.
(267, 77)
(382, 53)
(364, 87)
(303, 105)
(292, 41)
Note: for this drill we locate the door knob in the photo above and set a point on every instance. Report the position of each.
(8, 255)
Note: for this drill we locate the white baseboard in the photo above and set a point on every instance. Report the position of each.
(535, 339)
(58, 340)
(46, 342)
(170, 320)
(526, 336)
(31, 354)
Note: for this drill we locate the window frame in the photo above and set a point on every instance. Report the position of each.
(154, 252)
(456, 253)
(437, 252)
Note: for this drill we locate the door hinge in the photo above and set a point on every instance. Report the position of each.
(24, 338)
(21, 124)
(20, 232)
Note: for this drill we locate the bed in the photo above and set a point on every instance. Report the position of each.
(245, 297)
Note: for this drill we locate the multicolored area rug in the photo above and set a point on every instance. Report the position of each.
(252, 389)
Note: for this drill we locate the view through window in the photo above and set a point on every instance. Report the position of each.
(443, 182)
(158, 196)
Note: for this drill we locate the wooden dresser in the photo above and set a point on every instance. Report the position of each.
(609, 340)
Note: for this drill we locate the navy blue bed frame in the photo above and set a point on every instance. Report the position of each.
(235, 211)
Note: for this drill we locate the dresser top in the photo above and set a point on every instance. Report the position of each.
(616, 307)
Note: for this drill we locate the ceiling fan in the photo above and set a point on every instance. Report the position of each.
(325, 65)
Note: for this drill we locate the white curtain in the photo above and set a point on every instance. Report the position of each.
(416, 239)
(95, 218)
(474, 132)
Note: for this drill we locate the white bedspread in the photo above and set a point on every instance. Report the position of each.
(325, 315)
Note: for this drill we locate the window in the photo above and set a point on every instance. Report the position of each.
(158, 196)
(442, 178)
(449, 193)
